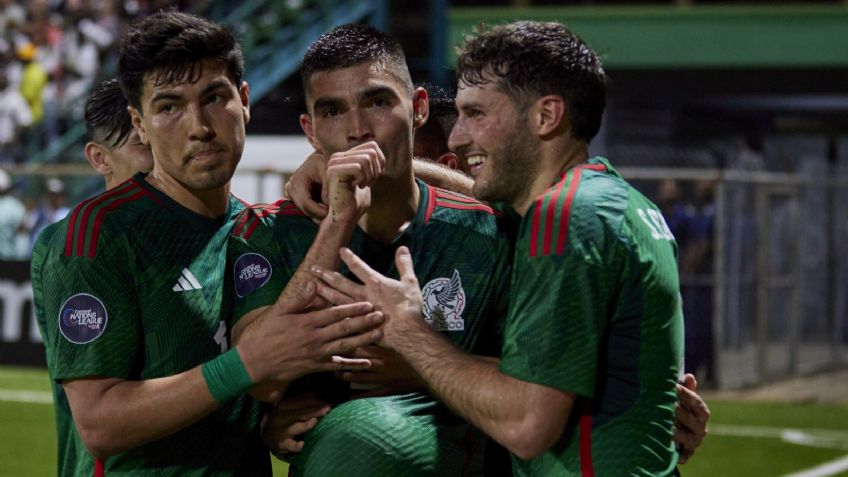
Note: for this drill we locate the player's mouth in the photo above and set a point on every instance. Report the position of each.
(205, 154)
(475, 163)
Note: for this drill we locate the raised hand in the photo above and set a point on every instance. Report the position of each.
(399, 300)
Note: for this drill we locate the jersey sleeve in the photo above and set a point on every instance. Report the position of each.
(260, 270)
(559, 299)
(86, 306)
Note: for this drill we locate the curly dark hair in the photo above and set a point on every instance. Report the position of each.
(172, 46)
(531, 59)
(106, 116)
(351, 45)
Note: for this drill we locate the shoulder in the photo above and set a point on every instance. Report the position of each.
(266, 216)
(581, 206)
(446, 207)
(107, 214)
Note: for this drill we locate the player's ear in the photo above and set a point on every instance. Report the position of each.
(96, 156)
(420, 107)
(548, 115)
(244, 96)
(135, 116)
(449, 160)
(306, 125)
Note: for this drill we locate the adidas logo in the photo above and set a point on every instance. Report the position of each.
(187, 282)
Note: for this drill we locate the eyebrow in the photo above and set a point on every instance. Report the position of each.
(172, 95)
(332, 101)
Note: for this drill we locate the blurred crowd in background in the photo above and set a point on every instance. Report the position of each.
(52, 52)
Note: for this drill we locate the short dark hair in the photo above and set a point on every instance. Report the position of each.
(350, 45)
(171, 45)
(442, 106)
(106, 116)
(531, 59)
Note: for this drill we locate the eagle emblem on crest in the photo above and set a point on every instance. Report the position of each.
(444, 301)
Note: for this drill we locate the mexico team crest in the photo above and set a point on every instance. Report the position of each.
(444, 300)
(251, 271)
(82, 318)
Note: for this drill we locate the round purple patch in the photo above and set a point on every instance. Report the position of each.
(251, 271)
(82, 318)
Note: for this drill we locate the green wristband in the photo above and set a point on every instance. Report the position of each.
(226, 376)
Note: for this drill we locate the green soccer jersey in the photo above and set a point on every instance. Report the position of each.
(595, 310)
(130, 285)
(461, 255)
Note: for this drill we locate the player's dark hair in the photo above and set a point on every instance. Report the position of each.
(351, 45)
(531, 59)
(172, 46)
(106, 116)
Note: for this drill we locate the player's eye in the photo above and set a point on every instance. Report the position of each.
(168, 108)
(331, 112)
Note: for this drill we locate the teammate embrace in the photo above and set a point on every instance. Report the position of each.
(138, 290)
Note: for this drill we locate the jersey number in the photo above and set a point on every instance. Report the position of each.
(656, 224)
(221, 336)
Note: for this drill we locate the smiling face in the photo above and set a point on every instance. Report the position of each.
(491, 132)
(195, 129)
(365, 102)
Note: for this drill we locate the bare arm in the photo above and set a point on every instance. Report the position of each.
(441, 176)
(524, 417)
(348, 175)
(114, 415)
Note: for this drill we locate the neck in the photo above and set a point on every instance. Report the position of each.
(210, 203)
(394, 203)
(554, 161)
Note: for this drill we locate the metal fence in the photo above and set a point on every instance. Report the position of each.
(766, 293)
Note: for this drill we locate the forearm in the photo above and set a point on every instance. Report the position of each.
(114, 416)
(443, 177)
(324, 252)
(506, 409)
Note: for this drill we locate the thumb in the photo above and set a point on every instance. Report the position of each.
(297, 297)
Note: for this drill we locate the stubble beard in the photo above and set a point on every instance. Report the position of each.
(511, 171)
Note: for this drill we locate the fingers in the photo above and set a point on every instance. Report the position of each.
(692, 402)
(403, 261)
(333, 296)
(338, 283)
(329, 316)
(351, 363)
(347, 335)
(690, 382)
(359, 268)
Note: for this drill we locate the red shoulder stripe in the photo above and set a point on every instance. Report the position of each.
(534, 228)
(432, 192)
(443, 193)
(549, 217)
(84, 209)
(587, 468)
(278, 208)
(98, 219)
(472, 206)
(565, 216)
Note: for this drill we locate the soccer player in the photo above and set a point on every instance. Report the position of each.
(115, 150)
(361, 104)
(593, 340)
(129, 287)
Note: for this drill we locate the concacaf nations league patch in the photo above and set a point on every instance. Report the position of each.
(83, 318)
(251, 272)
